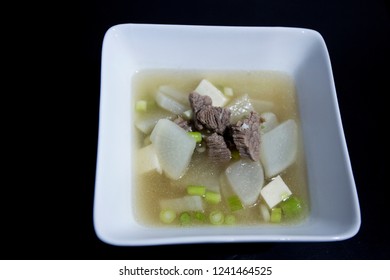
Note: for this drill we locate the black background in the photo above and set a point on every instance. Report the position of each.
(48, 200)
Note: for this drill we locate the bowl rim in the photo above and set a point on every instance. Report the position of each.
(123, 241)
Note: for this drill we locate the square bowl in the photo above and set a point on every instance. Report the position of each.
(301, 53)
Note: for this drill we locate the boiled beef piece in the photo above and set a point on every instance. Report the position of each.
(198, 102)
(206, 116)
(217, 148)
(246, 136)
(214, 118)
(184, 124)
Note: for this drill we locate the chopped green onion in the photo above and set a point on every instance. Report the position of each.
(185, 219)
(216, 218)
(196, 190)
(212, 197)
(196, 135)
(200, 216)
(234, 203)
(291, 207)
(230, 219)
(276, 215)
(141, 106)
(167, 216)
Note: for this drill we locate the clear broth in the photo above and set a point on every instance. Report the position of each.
(273, 86)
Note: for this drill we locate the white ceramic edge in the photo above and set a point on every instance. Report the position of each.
(353, 230)
(248, 238)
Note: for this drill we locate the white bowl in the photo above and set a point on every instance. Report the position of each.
(302, 53)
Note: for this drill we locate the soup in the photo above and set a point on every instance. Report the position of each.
(217, 148)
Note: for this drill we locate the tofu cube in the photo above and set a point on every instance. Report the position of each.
(207, 88)
(275, 192)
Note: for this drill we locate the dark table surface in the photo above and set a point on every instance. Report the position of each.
(54, 218)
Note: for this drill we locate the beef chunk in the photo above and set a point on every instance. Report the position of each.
(228, 136)
(246, 136)
(206, 116)
(184, 124)
(198, 102)
(214, 118)
(217, 148)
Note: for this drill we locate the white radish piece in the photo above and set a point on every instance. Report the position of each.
(278, 148)
(148, 120)
(179, 96)
(173, 146)
(147, 160)
(268, 122)
(246, 178)
(146, 126)
(199, 173)
(275, 192)
(207, 88)
(182, 204)
(265, 212)
(240, 107)
(169, 103)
